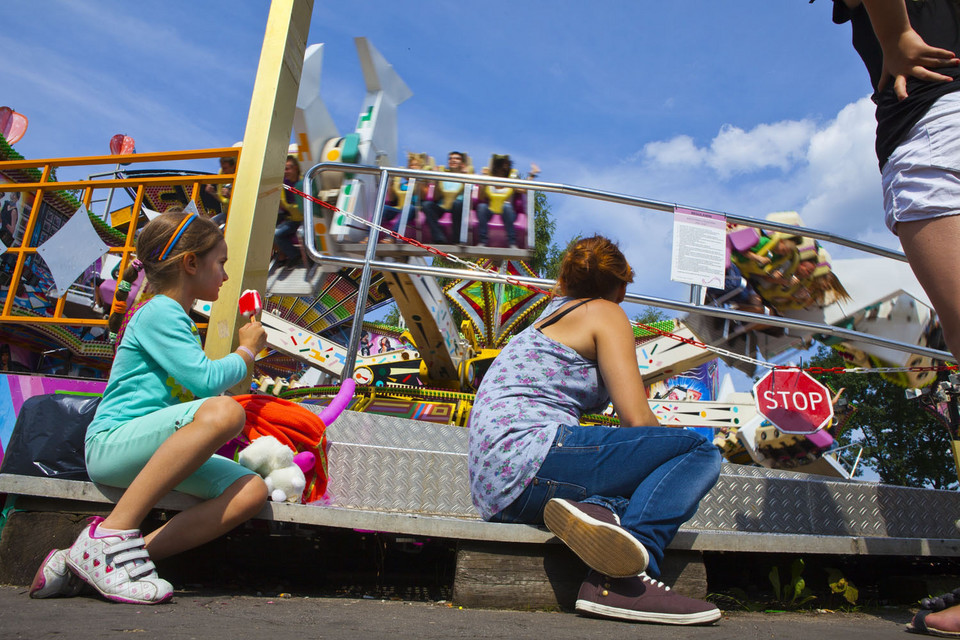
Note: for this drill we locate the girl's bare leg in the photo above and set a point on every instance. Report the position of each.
(931, 248)
(208, 520)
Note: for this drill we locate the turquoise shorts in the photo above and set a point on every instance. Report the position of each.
(116, 456)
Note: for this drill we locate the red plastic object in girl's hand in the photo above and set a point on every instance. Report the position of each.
(250, 303)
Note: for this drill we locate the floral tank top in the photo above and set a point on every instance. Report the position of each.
(533, 386)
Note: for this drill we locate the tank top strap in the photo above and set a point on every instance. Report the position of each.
(557, 316)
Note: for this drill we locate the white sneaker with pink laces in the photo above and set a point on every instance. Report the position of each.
(118, 566)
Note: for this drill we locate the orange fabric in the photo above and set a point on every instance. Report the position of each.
(294, 426)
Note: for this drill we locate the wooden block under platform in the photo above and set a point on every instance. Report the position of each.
(28, 536)
(547, 576)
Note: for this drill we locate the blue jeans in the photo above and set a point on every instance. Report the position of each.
(433, 211)
(509, 217)
(389, 215)
(283, 237)
(652, 477)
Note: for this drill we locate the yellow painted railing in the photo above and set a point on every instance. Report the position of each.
(44, 189)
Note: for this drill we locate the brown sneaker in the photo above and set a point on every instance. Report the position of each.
(640, 599)
(594, 533)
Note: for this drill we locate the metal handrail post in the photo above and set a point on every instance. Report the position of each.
(356, 329)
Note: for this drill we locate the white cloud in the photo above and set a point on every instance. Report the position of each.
(779, 145)
(844, 181)
(735, 151)
(678, 151)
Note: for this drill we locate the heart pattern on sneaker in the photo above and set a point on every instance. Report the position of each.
(118, 566)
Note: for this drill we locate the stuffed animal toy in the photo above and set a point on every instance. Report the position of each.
(280, 468)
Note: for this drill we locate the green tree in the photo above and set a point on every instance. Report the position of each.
(903, 443)
(544, 228)
(392, 315)
(554, 256)
(649, 315)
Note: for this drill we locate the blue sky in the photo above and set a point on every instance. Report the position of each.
(739, 107)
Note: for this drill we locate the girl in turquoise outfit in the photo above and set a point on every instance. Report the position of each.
(160, 421)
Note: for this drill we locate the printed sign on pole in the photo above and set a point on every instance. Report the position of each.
(699, 248)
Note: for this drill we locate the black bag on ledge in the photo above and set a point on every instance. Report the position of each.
(47, 439)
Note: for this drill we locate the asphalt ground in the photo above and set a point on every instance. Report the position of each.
(207, 614)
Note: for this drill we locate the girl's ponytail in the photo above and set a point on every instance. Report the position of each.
(119, 307)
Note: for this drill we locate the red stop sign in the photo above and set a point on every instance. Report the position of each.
(793, 401)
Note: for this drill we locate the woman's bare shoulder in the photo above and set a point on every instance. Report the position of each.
(606, 315)
(606, 307)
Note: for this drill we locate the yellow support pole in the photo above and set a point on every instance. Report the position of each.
(255, 198)
(955, 449)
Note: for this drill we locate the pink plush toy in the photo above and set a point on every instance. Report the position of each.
(339, 402)
(305, 460)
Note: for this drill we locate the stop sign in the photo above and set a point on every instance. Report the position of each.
(793, 401)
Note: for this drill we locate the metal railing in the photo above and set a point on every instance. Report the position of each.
(368, 262)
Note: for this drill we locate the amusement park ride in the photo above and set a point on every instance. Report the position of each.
(60, 250)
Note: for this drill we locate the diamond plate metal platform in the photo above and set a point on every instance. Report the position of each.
(390, 464)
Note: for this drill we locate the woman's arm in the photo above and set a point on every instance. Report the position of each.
(617, 359)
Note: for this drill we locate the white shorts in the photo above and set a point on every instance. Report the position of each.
(921, 179)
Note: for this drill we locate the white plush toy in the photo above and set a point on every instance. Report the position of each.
(273, 460)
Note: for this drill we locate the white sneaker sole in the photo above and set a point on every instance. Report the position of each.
(594, 609)
(606, 548)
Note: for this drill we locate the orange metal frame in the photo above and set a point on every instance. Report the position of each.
(7, 314)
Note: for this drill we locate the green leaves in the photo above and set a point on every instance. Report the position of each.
(795, 592)
(838, 584)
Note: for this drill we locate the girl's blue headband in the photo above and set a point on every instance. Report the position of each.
(176, 236)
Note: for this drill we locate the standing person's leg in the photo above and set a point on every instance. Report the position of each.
(931, 248)
(921, 197)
